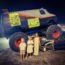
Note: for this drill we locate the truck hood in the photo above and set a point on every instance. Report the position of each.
(35, 13)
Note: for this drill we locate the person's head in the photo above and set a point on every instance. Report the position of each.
(22, 40)
(36, 34)
(29, 37)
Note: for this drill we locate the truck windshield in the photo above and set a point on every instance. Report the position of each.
(42, 11)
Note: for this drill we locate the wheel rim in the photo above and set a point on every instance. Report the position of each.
(56, 34)
(17, 42)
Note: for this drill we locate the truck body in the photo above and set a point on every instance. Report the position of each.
(29, 22)
(8, 27)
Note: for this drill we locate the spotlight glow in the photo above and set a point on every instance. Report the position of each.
(4, 43)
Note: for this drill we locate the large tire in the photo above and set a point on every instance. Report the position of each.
(53, 32)
(14, 38)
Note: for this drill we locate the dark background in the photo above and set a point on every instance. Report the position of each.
(54, 6)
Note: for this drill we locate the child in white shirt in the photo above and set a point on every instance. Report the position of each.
(22, 47)
(29, 46)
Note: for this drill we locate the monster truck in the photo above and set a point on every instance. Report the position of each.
(20, 24)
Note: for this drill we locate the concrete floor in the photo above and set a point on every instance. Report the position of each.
(8, 57)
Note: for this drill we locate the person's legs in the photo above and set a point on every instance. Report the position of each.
(20, 54)
(23, 54)
(26, 55)
(22, 57)
(30, 55)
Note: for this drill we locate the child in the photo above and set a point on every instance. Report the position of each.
(36, 44)
(29, 46)
(22, 47)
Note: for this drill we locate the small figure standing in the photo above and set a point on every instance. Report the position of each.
(29, 46)
(22, 47)
(36, 44)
